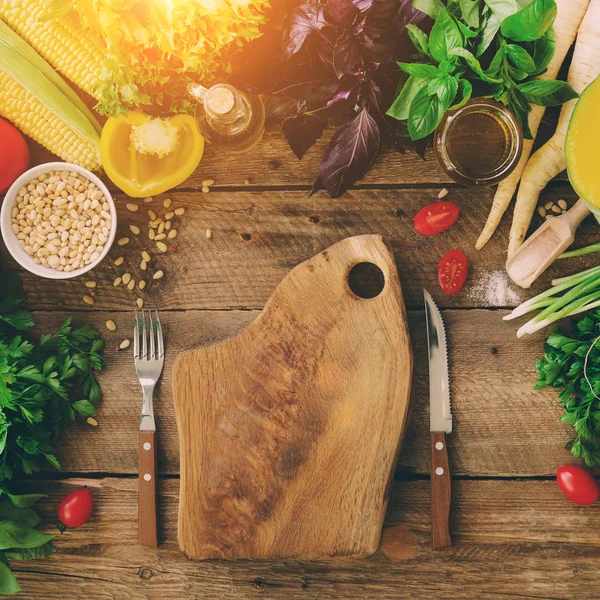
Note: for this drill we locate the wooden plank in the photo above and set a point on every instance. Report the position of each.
(513, 539)
(257, 237)
(498, 419)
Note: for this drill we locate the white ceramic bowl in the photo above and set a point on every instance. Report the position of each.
(10, 239)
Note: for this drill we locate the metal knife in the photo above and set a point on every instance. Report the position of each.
(440, 423)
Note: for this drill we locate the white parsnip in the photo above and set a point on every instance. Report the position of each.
(569, 17)
(550, 160)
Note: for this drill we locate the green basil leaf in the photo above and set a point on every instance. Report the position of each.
(488, 33)
(25, 500)
(503, 8)
(15, 536)
(474, 65)
(401, 105)
(531, 22)
(8, 582)
(31, 553)
(26, 517)
(84, 407)
(517, 74)
(430, 7)
(446, 67)
(419, 70)
(469, 10)
(445, 88)
(520, 58)
(444, 37)
(547, 92)
(419, 39)
(543, 51)
(497, 62)
(466, 32)
(520, 107)
(465, 89)
(426, 112)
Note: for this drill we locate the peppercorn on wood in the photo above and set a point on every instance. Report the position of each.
(60, 41)
(43, 126)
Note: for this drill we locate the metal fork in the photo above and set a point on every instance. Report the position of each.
(148, 358)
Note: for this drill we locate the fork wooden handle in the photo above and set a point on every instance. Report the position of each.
(441, 491)
(147, 513)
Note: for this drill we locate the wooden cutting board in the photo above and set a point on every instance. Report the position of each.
(289, 431)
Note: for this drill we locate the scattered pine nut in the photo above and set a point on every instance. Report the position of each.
(160, 236)
(126, 278)
(123, 241)
(169, 216)
(145, 256)
(91, 421)
(549, 217)
(143, 265)
(117, 281)
(443, 193)
(207, 182)
(157, 275)
(205, 190)
(131, 284)
(162, 246)
(93, 294)
(88, 300)
(110, 325)
(168, 225)
(556, 209)
(208, 234)
(167, 203)
(246, 182)
(151, 234)
(548, 205)
(161, 227)
(152, 215)
(90, 284)
(148, 199)
(542, 211)
(134, 229)
(179, 211)
(141, 284)
(140, 303)
(132, 207)
(172, 234)
(118, 261)
(563, 204)
(124, 344)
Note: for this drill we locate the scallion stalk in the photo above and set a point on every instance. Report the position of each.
(581, 251)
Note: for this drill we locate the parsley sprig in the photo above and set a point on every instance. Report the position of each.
(43, 382)
(562, 367)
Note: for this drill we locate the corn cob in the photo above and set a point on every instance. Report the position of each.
(60, 40)
(43, 126)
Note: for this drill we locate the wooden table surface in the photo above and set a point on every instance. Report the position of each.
(515, 536)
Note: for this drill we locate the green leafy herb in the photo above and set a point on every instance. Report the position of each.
(493, 46)
(43, 382)
(562, 367)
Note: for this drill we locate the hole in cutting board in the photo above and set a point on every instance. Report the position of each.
(366, 280)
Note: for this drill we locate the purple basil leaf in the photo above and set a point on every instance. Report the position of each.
(307, 20)
(407, 15)
(346, 55)
(283, 107)
(363, 5)
(302, 132)
(349, 154)
(340, 105)
(311, 91)
(339, 11)
(380, 17)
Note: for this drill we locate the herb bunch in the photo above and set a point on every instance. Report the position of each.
(483, 48)
(43, 382)
(562, 367)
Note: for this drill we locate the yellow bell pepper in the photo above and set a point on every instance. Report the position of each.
(144, 156)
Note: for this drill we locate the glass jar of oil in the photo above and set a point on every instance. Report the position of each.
(479, 144)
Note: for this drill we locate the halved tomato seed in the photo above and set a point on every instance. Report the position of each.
(452, 271)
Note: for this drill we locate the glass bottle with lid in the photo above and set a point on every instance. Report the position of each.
(228, 118)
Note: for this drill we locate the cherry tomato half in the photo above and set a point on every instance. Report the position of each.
(578, 485)
(14, 155)
(76, 508)
(437, 217)
(452, 271)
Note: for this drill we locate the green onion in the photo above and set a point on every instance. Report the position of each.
(581, 251)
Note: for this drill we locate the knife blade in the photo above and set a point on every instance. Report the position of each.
(440, 423)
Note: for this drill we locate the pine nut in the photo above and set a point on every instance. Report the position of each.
(131, 284)
(117, 281)
(169, 216)
(148, 199)
(152, 215)
(172, 234)
(88, 300)
(124, 344)
(145, 256)
(91, 421)
(141, 284)
(443, 193)
(556, 209)
(162, 246)
(562, 204)
(168, 225)
(134, 229)
(140, 303)
(110, 325)
(161, 228)
(179, 211)
(208, 233)
(160, 236)
(542, 211)
(123, 241)
(151, 234)
(143, 265)
(205, 190)
(548, 205)
(126, 278)
(90, 284)
(167, 203)
(132, 207)
(207, 182)
(157, 275)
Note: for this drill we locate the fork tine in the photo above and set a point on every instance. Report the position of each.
(159, 335)
(136, 335)
(152, 345)
(144, 337)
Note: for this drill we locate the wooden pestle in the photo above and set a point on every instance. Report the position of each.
(545, 245)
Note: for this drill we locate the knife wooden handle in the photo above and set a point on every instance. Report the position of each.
(441, 491)
(147, 514)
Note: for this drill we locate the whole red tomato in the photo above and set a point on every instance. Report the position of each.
(437, 217)
(76, 508)
(578, 485)
(14, 155)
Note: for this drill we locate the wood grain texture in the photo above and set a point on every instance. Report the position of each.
(257, 237)
(513, 539)
(441, 491)
(147, 491)
(289, 431)
(492, 376)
